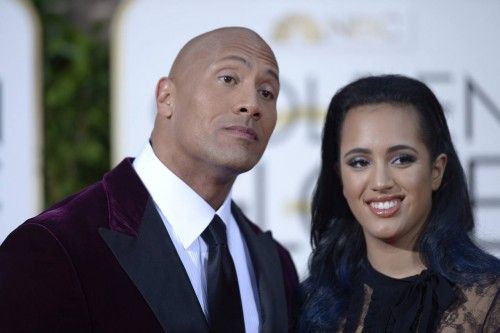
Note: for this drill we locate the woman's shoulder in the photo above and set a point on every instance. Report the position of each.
(480, 296)
(482, 289)
(477, 307)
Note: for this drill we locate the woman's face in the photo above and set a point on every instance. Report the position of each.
(387, 173)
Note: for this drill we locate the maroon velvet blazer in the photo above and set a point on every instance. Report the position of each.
(102, 261)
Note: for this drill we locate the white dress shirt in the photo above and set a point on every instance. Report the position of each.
(186, 215)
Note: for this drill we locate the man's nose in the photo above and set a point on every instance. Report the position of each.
(381, 178)
(249, 105)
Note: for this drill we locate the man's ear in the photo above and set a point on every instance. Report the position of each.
(164, 97)
(438, 168)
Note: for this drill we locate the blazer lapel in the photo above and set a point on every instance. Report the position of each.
(152, 263)
(268, 273)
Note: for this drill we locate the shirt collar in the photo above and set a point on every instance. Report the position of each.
(187, 212)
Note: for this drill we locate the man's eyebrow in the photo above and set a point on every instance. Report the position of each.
(235, 58)
(274, 74)
(242, 60)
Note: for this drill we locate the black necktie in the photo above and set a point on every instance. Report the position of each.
(224, 303)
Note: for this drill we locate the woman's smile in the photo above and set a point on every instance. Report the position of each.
(385, 207)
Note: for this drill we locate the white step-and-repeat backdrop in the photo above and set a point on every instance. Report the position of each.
(20, 115)
(321, 45)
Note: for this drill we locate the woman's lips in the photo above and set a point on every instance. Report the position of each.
(243, 132)
(385, 208)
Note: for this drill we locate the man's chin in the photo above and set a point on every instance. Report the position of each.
(242, 164)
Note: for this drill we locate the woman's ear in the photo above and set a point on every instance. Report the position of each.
(165, 97)
(438, 168)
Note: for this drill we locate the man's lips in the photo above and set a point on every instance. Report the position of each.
(385, 206)
(243, 132)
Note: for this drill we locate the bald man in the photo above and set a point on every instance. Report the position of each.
(158, 245)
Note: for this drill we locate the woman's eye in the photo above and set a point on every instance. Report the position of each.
(358, 162)
(403, 159)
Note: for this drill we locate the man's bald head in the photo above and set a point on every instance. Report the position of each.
(211, 41)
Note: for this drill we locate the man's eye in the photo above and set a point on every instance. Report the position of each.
(267, 94)
(227, 79)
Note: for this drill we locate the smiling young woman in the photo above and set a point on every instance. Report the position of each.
(391, 220)
(388, 177)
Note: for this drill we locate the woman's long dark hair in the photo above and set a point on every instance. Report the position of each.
(339, 248)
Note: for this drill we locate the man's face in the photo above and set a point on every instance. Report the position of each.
(224, 105)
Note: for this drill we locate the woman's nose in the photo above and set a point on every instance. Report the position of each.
(381, 179)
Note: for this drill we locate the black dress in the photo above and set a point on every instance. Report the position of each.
(426, 302)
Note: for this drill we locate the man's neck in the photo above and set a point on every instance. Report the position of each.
(214, 192)
(212, 186)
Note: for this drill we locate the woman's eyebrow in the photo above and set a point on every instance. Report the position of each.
(358, 151)
(400, 147)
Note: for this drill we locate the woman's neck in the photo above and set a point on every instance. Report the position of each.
(394, 261)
